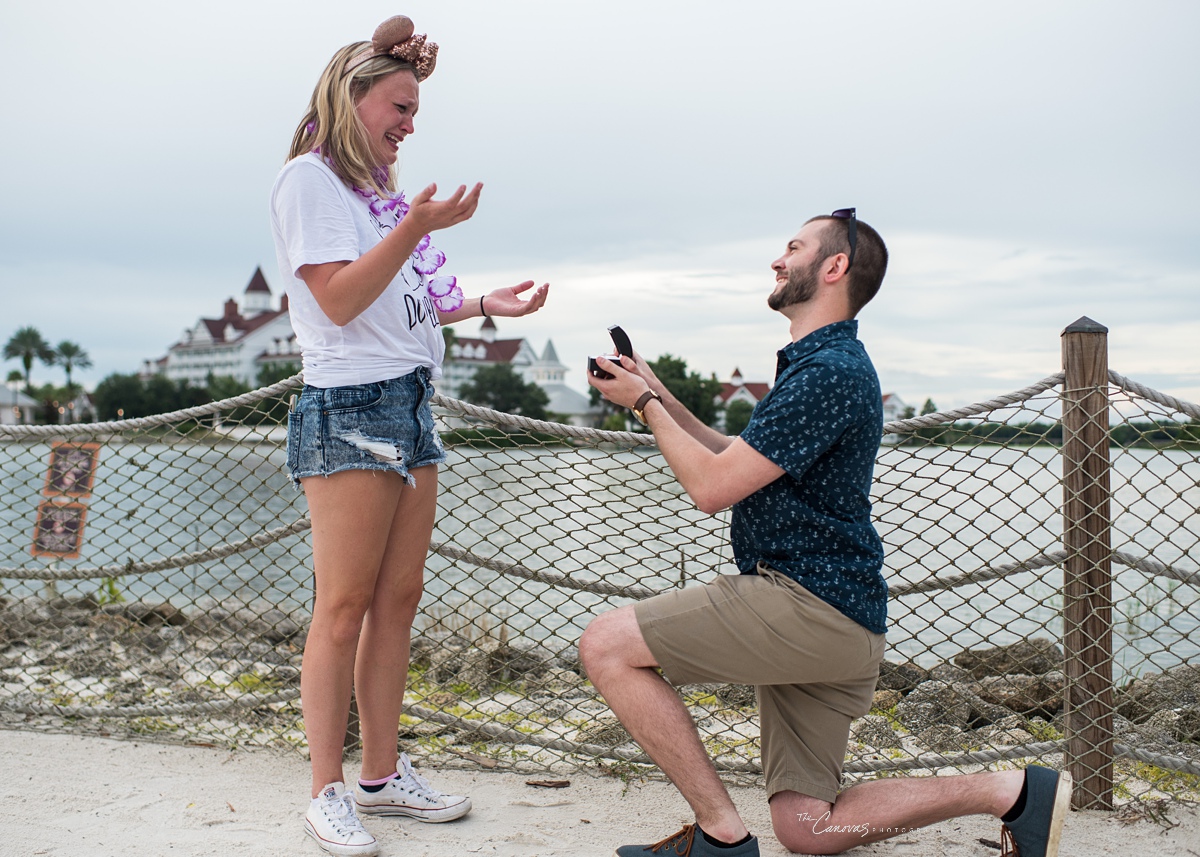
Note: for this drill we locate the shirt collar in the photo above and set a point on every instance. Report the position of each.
(801, 348)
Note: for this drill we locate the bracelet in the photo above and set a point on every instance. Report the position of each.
(482, 311)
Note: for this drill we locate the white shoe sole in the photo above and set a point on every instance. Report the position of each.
(369, 850)
(429, 816)
(1062, 806)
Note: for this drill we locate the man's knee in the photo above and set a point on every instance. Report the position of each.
(595, 642)
(797, 821)
(606, 638)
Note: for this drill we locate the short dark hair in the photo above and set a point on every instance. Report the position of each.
(870, 257)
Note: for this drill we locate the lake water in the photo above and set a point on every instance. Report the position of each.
(618, 515)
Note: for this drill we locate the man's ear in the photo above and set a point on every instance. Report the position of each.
(835, 268)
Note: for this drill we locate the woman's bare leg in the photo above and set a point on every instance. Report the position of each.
(381, 669)
(353, 513)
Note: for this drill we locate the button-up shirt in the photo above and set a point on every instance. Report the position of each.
(822, 423)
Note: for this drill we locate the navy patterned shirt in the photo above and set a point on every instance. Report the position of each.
(822, 423)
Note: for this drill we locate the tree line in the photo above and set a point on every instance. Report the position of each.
(120, 395)
(29, 346)
(1139, 434)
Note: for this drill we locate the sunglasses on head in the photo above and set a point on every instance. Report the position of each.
(848, 214)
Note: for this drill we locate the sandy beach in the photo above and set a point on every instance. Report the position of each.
(75, 796)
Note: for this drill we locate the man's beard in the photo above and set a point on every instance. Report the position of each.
(801, 286)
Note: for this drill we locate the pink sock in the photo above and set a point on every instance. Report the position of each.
(391, 776)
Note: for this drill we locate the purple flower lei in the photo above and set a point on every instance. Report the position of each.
(426, 259)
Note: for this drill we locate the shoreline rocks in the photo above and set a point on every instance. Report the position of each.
(75, 653)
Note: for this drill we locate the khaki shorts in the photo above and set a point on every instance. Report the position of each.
(814, 669)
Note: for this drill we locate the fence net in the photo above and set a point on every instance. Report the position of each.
(156, 580)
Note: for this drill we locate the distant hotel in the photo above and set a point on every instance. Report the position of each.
(737, 389)
(239, 343)
(247, 338)
(255, 334)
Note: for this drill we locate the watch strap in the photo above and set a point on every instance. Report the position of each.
(639, 406)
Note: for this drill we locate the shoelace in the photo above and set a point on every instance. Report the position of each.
(419, 784)
(342, 815)
(681, 840)
(1008, 845)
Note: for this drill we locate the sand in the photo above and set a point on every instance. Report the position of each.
(93, 797)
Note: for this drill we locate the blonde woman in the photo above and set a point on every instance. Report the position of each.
(367, 297)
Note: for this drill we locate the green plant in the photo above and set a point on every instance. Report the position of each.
(626, 772)
(109, 593)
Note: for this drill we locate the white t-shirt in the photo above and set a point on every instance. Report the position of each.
(316, 218)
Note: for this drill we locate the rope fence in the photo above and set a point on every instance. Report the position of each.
(165, 589)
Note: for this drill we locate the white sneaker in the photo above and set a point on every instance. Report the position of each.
(333, 823)
(411, 795)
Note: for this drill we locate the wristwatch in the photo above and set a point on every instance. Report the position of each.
(639, 407)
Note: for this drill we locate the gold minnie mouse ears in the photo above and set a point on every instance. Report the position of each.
(395, 38)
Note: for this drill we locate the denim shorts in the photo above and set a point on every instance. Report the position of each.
(385, 425)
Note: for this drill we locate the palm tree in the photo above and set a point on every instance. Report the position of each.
(70, 356)
(27, 345)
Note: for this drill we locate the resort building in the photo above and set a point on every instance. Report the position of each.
(253, 334)
(893, 407)
(238, 343)
(17, 408)
(465, 356)
(737, 389)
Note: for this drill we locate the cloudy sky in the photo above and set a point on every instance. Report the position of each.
(1028, 163)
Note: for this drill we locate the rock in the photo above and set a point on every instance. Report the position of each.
(606, 731)
(1011, 737)
(1178, 687)
(900, 676)
(885, 700)
(942, 703)
(1035, 656)
(522, 659)
(933, 703)
(279, 627)
(1187, 728)
(950, 673)
(480, 665)
(557, 679)
(420, 651)
(875, 731)
(470, 665)
(568, 659)
(1031, 695)
(147, 614)
(1163, 721)
(943, 738)
(736, 695)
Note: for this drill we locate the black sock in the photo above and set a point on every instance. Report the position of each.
(1018, 807)
(373, 789)
(717, 843)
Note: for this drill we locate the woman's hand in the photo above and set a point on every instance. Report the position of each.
(428, 214)
(504, 303)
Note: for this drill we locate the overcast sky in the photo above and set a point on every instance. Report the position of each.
(1028, 163)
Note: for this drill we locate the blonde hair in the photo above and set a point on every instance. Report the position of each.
(331, 125)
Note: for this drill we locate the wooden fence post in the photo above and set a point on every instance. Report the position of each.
(1087, 573)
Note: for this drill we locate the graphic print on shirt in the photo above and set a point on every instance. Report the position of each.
(425, 291)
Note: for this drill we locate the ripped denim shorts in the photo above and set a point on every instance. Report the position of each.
(386, 425)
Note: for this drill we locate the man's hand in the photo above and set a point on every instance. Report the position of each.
(626, 385)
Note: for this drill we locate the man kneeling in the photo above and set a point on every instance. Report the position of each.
(804, 622)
